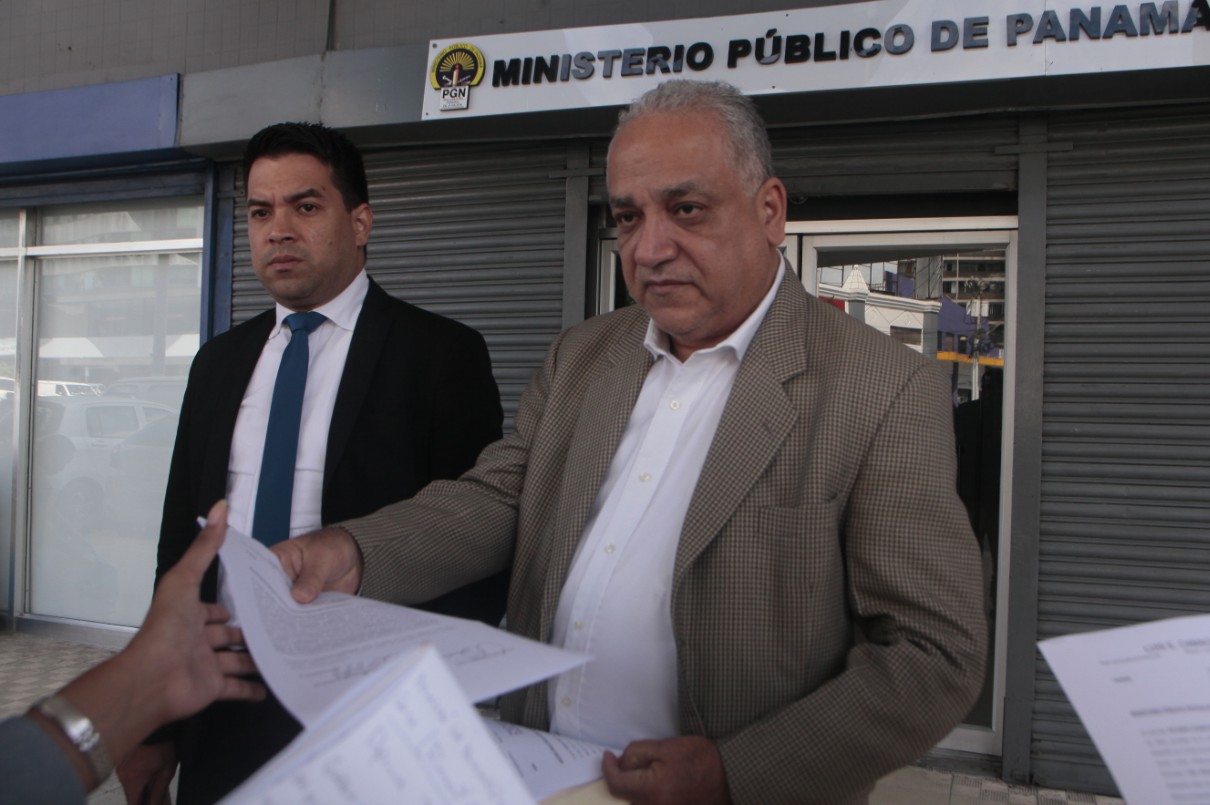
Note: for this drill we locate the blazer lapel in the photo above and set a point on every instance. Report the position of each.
(369, 339)
(755, 422)
(609, 401)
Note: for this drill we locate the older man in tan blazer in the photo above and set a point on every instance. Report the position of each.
(740, 500)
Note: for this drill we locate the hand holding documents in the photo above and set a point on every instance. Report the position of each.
(547, 763)
(1143, 693)
(384, 694)
(406, 735)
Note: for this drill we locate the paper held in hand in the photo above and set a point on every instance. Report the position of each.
(404, 735)
(384, 693)
(1143, 693)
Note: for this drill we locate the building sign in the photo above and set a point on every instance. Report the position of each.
(884, 43)
(455, 70)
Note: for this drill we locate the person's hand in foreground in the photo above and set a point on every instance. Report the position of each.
(172, 667)
(676, 770)
(323, 560)
(146, 773)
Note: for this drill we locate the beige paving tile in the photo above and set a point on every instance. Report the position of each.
(33, 667)
(912, 786)
(996, 791)
(965, 790)
(1020, 795)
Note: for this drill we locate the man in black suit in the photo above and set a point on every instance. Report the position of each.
(394, 397)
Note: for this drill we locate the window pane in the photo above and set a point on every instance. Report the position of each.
(155, 219)
(8, 229)
(116, 335)
(899, 289)
(8, 349)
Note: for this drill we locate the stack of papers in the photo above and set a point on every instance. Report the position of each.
(403, 737)
(385, 696)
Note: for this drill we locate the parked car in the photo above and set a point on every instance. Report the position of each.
(72, 550)
(164, 389)
(67, 388)
(73, 439)
(138, 472)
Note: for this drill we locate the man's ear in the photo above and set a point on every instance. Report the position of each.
(363, 223)
(771, 206)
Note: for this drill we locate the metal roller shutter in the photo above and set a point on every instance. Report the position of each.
(956, 155)
(1125, 506)
(474, 233)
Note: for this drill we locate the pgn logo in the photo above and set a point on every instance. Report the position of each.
(455, 98)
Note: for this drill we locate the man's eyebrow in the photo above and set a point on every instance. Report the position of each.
(680, 191)
(309, 192)
(668, 194)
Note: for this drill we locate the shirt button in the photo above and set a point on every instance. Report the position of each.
(566, 701)
(675, 405)
(579, 625)
(609, 549)
(645, 477)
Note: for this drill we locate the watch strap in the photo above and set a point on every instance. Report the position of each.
(80, 731)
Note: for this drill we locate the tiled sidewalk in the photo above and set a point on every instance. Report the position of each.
(918, 786)
(31, 667)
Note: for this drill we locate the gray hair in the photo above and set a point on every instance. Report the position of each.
(742, 124)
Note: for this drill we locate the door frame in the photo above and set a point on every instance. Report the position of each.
(804, 241)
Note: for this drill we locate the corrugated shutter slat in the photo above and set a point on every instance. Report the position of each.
(1125, 515)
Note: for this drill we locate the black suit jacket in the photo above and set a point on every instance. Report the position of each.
(417, 402)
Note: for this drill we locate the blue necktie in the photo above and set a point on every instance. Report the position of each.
(271, 519)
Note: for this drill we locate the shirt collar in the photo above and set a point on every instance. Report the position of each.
(658, 343)
(342, 310)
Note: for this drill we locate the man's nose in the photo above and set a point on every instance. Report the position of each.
(655, 241)
(282, 229)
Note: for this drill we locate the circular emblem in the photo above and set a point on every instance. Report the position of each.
(459, 65)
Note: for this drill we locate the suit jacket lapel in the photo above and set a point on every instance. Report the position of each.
(755, 422)
(609, 401)
(369, 339)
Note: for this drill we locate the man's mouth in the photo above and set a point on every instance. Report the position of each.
(665, 284)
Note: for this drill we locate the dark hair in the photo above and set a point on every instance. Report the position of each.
(327, 145)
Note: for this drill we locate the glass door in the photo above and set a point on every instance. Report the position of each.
(943, 287)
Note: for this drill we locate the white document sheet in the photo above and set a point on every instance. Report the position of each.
(548, 763)
(1143, 693)
(311, 654)
(403, 735)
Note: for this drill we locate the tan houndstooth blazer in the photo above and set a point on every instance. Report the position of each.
(826, 595)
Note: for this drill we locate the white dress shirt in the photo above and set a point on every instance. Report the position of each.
(617, 601)
(328, 346)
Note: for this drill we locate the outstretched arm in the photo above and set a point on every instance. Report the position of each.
(171, 669)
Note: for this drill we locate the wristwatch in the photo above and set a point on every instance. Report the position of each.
(80, 731)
